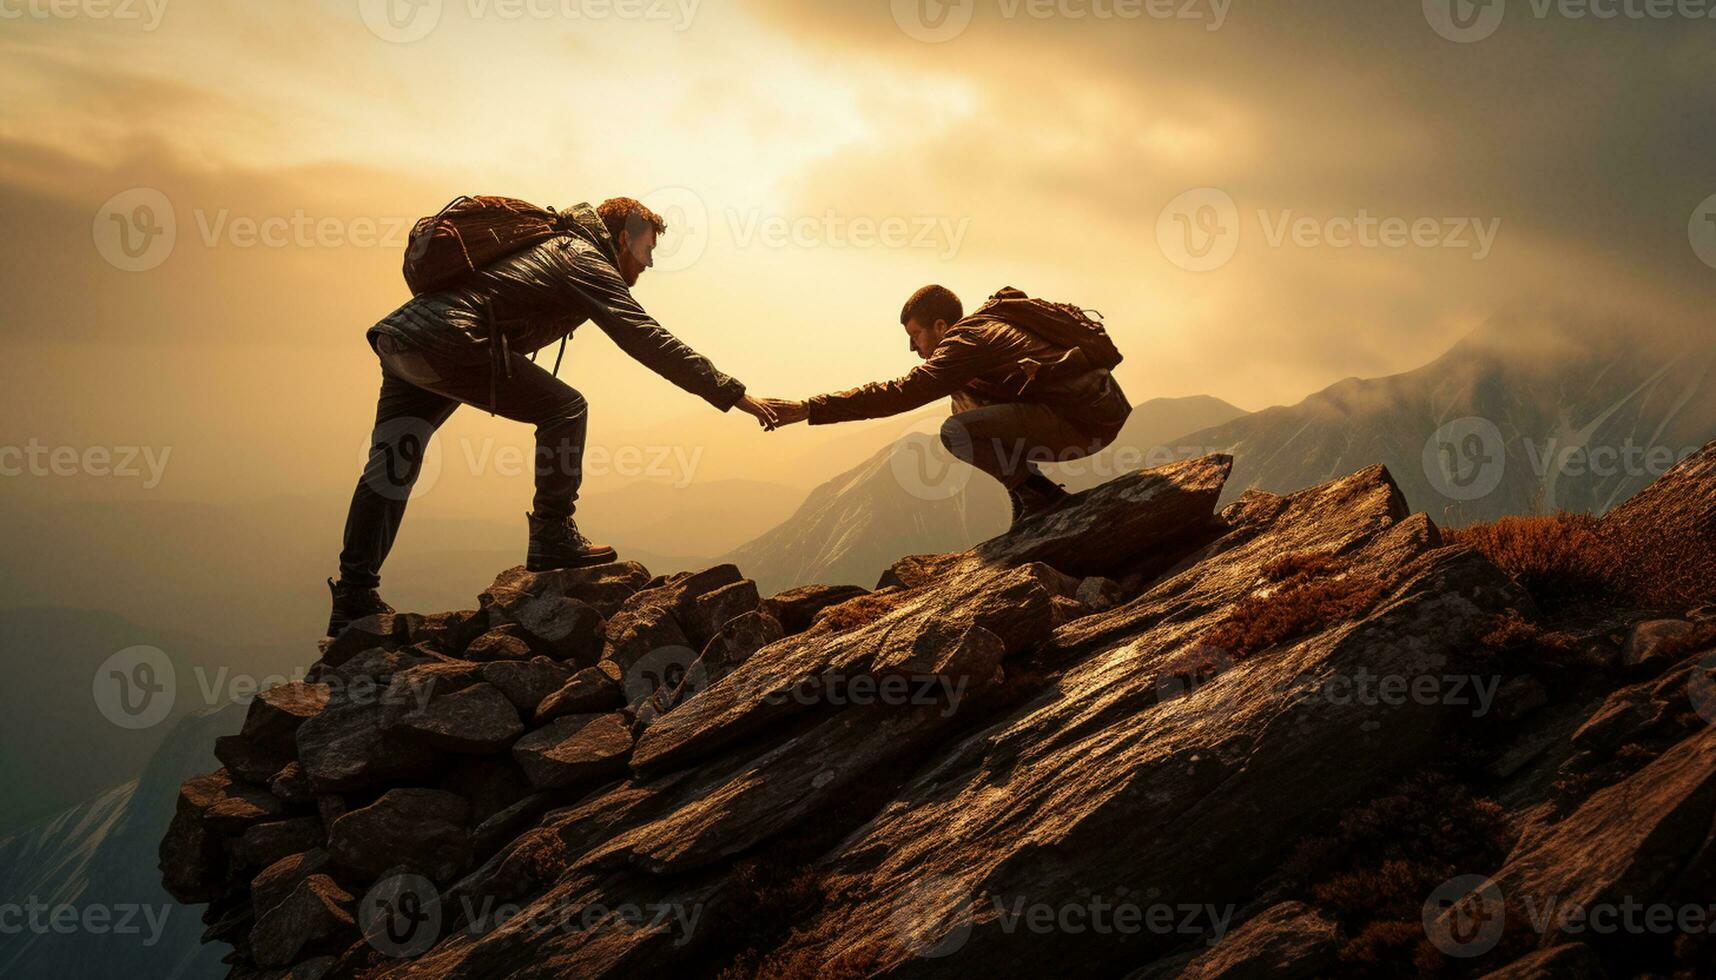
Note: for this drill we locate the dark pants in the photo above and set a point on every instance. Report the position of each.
(1005, 440)
(419, 391)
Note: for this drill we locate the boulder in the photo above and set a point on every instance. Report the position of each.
(425, 830)
(314, 917)
(1650, 644)
(274, 715)
(265, 843)
(732, 645)
(565, 629)
(589, 691)
(702, 616)
(274, 883)
(1289, 941)
(527, 683)
(344, 748)
(1627, 840)
(577, 750)
(1569, 961)
(389, 631)
(474, 720)
(638, 630)
(247, 760)
(604, 587)
(1099, 594)
(193, 859)
(506, 642)
(292, 784)
(795, 608)
(449, 632)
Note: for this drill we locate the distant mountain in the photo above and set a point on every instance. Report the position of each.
(911, 497)
(1521, 416)
(57, 746)
(1149, 438)
(102, 854)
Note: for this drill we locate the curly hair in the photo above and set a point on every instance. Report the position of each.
(629, 214)
(933, 303)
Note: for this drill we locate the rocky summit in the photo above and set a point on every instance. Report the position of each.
(1304, 735)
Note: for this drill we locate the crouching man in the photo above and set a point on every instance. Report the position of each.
(1030, 382)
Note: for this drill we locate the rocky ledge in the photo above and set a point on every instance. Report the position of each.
(1307, 735)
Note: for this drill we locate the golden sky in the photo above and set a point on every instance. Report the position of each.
(1383, 188)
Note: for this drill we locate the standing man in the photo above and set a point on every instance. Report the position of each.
(468, 345)
(1029, 379)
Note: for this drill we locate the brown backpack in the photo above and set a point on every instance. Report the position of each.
(1061, 324)
(447, 247)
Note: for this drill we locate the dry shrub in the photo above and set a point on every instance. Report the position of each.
(1309, 564)
(1374, 870)
(861, 611)
(1510, 635)
(1310, 595)
(1559, 559)
(1566, 560)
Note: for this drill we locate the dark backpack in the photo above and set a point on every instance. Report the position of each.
(447, 247)
(1061, 324)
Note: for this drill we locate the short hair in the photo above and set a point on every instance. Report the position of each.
(628, 214)
(932, 303)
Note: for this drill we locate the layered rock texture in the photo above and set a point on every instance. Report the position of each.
(1301, 736)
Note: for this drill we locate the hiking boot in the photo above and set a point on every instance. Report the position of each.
(352, 602)
(557, 543)
(1035, 497)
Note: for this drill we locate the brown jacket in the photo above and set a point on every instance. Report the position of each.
(984, 361)
(541, 294)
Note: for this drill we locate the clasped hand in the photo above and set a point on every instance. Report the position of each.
(772, 413)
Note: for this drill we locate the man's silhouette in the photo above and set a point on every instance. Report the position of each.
(469, 345)
(1019, 398)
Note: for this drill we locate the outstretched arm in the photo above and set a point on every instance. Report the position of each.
(961, 357)
(613, 309)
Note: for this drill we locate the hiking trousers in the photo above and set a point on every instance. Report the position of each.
(419, 391)
(1006, 441)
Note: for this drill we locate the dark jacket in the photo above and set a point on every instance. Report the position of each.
(985, 361)
(542, 294)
